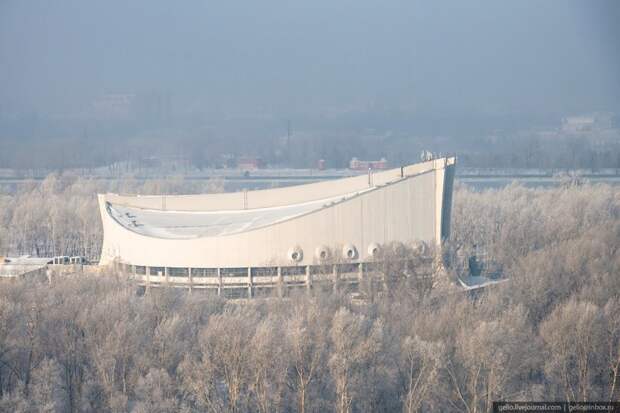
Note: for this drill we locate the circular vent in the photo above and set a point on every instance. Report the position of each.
(374, 249)
(420, 247)
(295, 254)
(349, 252)
(322, 253)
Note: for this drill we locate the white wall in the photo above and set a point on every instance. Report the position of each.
(405, 210)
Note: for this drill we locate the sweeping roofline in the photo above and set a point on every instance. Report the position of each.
(329, 203)
(275, 197)
(390, 206)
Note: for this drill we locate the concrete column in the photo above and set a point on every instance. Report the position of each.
(219, 282)
(280, 283)
(363, 280)
(147, 272)
(336, 276)
(249, 282)
(308, 278)
(189, 275)
(167, 275)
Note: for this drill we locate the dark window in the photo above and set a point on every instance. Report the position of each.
(235, 292)
(140, 269)
(264, 271)
(321, 269)
(178, 271)
(347, 268)
(204, 272)
(293, 270)
(156, 270)
(234, 272)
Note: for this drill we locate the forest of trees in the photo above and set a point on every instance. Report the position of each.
(484, 144)
(552, 332)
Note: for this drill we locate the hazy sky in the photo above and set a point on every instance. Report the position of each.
(437, 56)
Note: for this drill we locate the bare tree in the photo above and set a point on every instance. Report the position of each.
(572, 336)
(611, 314)
(225, 351)
(268, 366)
(306, 344)
(420, 362)
(156, 393)
(355, 341)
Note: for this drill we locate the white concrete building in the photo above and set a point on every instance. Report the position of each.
(259, 238)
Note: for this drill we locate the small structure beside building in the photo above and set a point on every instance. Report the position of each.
(23, 266)
(359, 165)
(26, 266)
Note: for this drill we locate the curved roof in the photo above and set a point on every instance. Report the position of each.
(276, 197)
(195, 224)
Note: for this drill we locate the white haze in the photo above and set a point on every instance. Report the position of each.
(281, 57)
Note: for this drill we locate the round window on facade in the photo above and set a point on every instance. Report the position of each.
(349, 252)
(374, 249)
(295, 254)
(420, 247)
(322, 253)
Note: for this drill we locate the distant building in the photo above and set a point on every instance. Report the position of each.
(151, 162)
(114, 105)
(587, 123)
(250, 163)
(358, 165)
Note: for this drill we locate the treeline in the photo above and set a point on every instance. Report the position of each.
(552, 332)
(209, 145)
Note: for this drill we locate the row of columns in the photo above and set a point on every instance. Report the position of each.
(250, 278)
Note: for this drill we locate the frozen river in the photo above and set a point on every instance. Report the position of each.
(278, 178)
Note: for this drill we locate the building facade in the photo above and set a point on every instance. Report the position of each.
(294, 235)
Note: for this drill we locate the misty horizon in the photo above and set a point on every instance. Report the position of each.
(279, 59)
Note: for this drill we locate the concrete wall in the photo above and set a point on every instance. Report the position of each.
(397, 209)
